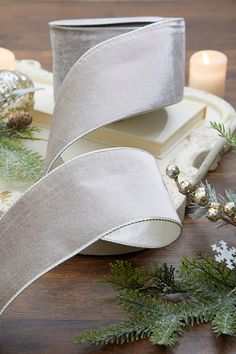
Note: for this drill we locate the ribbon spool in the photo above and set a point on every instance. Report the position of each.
(107, 201)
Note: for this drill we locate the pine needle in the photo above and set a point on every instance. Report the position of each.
(18, 163)
(209, 289)
(224, 133)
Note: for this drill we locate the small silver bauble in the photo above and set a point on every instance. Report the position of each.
(213, 214)
(201, 196)
(185, 187)
(11, 81)
(172, 171)
(230, 209)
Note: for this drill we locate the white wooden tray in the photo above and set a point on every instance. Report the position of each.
(197, 152)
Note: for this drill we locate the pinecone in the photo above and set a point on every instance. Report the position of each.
(19, 120)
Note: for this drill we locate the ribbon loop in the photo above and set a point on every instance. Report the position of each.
(107, 201)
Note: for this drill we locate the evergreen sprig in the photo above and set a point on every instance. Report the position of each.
(18, 163)
(205, 289)
(224, 133)
(161, 280)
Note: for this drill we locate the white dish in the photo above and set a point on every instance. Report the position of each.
(189, 154)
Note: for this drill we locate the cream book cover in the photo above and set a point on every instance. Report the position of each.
(156, 132)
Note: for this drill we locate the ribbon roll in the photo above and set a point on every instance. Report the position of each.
(106, 201)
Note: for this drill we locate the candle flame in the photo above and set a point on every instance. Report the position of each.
(205, 58)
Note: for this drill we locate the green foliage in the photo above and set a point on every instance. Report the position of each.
(157, 279)
(224, 322)
(17, 163)
(125, 275)
(202, 276)
(205, 291)
(224, 133)
(127, 331)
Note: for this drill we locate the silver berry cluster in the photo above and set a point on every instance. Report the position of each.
(199, 195)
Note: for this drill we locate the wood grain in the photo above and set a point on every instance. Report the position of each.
(46, 317)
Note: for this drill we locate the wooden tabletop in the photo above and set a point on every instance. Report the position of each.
(47, 316)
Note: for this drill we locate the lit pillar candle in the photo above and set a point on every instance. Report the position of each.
(207, 71)
(7, 59)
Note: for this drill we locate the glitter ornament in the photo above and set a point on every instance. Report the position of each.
(13, 84)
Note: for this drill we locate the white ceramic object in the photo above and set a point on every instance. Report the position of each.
(197, 153)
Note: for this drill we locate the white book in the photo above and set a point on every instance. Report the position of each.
(156, 132)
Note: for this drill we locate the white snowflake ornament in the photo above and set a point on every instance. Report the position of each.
(224, 253)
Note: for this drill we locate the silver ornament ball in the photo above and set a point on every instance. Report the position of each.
(185, 187)
(213, 214)
(11, 81)
(201, 196)
(230, 209)
(172, 171)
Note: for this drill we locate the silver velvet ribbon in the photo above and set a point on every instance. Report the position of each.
(107, 201)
